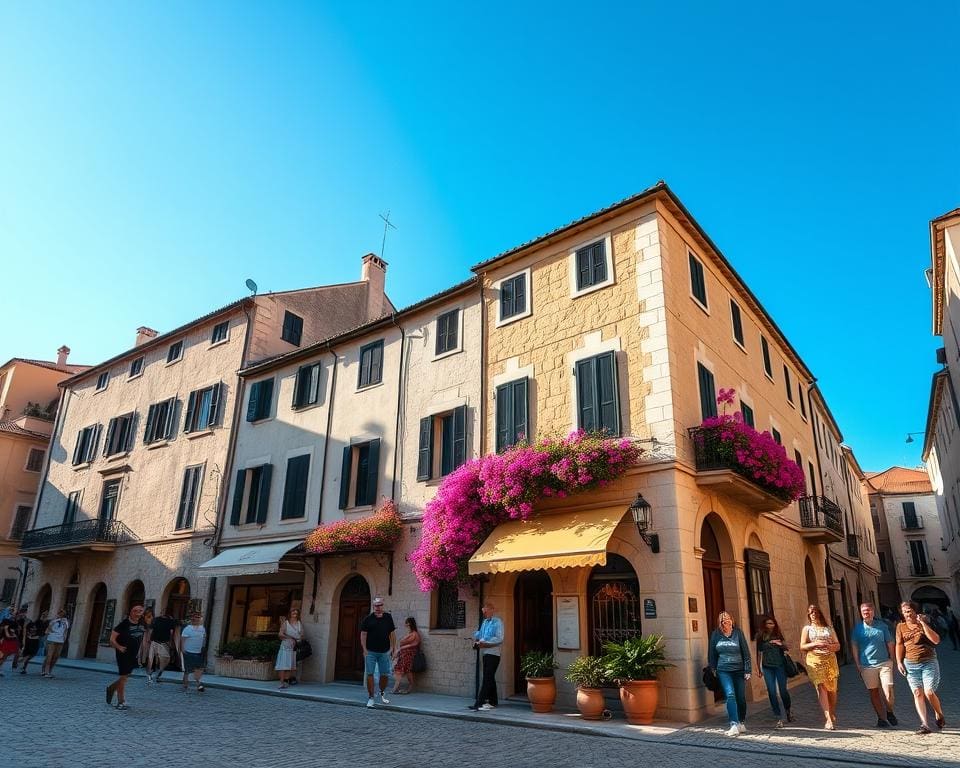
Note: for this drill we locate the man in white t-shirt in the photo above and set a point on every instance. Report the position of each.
(193, 638)
(56, 637)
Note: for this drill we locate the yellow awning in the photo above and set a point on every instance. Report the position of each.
(564, 540)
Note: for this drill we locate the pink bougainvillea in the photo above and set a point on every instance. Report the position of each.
(380, 530)
(473, 499)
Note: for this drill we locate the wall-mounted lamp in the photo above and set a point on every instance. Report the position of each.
(911, 434)
(642, 514)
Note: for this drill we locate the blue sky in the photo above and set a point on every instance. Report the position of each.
(153, 158)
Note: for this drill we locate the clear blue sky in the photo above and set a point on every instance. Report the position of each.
(152, 157)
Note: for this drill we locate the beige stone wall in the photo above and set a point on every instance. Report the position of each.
(23, 383)
(17, 485)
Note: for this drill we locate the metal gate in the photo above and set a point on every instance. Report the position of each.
(614, 614)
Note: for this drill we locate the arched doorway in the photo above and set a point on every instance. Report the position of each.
(177, 602)
(354, 607)
(98, 603)
(135, 595)
(533, 619)
(715, 544)
(810, 577)
(930, 596)
(613, 600)
(44, 596)
(70, 595)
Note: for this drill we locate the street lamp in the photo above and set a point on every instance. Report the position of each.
(642, 514)
(911, 434)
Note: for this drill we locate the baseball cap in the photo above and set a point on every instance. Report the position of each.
(378, 601)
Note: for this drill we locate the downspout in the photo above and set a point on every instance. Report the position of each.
(326, 437)
(816, 444)
(397, 444)
(483, 368)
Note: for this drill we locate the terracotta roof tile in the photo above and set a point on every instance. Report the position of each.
(900, 480)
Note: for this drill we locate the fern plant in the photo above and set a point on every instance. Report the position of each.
(637, 658)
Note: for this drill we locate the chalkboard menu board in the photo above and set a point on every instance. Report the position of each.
(109, 613)
(461, 614)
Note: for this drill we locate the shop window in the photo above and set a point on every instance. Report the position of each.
(256, 610)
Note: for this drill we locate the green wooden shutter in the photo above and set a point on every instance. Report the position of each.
(94, 442)
(253, 404)
(298, 386)
(238, 497)
(215, 398)
(295, 487)
(170, 424)
(609, 407)
(507, 299)
(265, 399)
(520, 294)
(345, 476)
(504, 416)
(191, 409)
(586, 395)
(376, 363)
(373, 471)
(108, 443)
(708, 393)
(459, 436)
(77, 446)
(519, 428)
(425, 450)
(263, 498)
(148, 435)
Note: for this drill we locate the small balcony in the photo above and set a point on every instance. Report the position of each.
(821, 520)
(853, 545)
(911, 523)
(921, 569)
(93, 535)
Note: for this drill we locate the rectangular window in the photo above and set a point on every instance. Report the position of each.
(883, 561)
(86, 447)
(513, 296)
(160, 421)
(591, 265)
(251, 495)
(72, 508)
(102, 380)
(109, 500)
(203, 408)
(257, 611)
(220, 332)
(448, 329)
(449, 431)
(598, 402)
(920, 565)
(758, 586)
(189, 494)
(136, 367)
(787, 383)
(813, 478)
(747, 413)
(295, 488)
(447, 597)
(765, 349)
(306, 390)
(803, 405)
(292, 328)
(120, 432)
(512, 413)
(798, 459)
(708, 392)
(910, 519)
(371, 364)
(35, 459)
(359, 474)
(261, 400)
(175, 352)
(698, 286)
(21, 519)
(9, 587)
(776, 435)
(737, 322)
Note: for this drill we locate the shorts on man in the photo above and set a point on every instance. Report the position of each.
(877, 675)
(379, 661)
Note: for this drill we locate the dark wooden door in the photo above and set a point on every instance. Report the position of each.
(96, 623)
(354, 607)
(713, 599)
(533, 620)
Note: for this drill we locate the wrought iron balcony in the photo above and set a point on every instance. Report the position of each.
(912, 523)
(921, 569)
(81, 534)
(821, 519)
(853, 545)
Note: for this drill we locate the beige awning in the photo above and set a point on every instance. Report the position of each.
(248, 561)
(564, 540)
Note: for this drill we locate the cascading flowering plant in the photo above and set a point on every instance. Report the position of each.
(484, 492)
(754, 454)
(380, 530)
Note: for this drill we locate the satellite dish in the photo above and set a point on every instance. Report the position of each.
(251, 286)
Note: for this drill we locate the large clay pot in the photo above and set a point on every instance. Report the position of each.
(590, 703)
(639, 699)
(542, 692)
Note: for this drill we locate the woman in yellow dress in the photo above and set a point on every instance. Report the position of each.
(820, 642)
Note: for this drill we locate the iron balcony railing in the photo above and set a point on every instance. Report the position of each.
(78, 532)
(712, 452)
(853, 545)
(821, 512)
(912, 523)
(921, 569)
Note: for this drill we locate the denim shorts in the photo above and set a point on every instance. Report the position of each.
(379, 660)
(923, 674)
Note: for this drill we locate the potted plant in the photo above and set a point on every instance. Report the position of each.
(537, 667)
(634, 665)
(247, 658)
(589, 675)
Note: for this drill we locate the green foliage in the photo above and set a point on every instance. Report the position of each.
(588, 672)
(638, 658)
(537, 664)
(250, 648)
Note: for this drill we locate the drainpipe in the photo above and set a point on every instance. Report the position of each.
(326, 437)
(396, 445)
(483, 369)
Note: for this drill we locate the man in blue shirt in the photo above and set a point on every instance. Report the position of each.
(488, 640)
(873, 650)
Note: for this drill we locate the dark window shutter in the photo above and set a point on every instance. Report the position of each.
(191, 409)
(295, 487)
(313, 388)
(609, 410)
(425, 450)
(345, 476)
(94, 442)
(504, 416)
(459, 436)
(169, 424)
(364, 376)
(253, 404)
(519, 294)
(131, 431)
(599, 262)
(108, 444)
(263, 499)
(373, 472)
(215, 398)
(79, 444)
(708, 393)
(300, 386)
(587, 394)
(265, 400)
(583, 268)
(376, 364)
(737, 321)
(238, 497)
(507, 299)
(519, 428)
(747, 413)
(148, 435)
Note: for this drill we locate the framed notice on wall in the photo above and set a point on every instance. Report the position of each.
(109, 612)
(568, 623)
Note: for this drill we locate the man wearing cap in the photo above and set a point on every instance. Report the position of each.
(378, 639)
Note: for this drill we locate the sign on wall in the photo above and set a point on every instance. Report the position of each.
(649, 608)
(568, 623)
(461, 614)
(109, 613)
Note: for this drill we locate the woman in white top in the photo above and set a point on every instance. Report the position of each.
(192, 640)
(291, 632)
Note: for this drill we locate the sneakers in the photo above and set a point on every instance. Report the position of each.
(370, 704)
(779, 724)
(383, 698)
(734, 731)
(881, 723)
(741, 727)
(149, 679)
(790, 717)
(122, 706)
(486, 707)
(922, 731)
(891, 718)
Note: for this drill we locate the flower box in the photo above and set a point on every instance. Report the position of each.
(244, 669)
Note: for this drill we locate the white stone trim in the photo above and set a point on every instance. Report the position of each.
(572, 265)
(433, 324)
(498, 323)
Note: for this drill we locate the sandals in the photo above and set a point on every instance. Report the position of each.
(283, 685)
(200, 688)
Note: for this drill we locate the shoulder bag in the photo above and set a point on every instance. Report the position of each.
(419, 663)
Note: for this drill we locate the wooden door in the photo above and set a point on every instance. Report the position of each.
(713, 599)
(96, 623)
(533, 620)
(354, 607)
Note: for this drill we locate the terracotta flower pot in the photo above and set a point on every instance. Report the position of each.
(542, 692)
(639, 699)
(590, 703)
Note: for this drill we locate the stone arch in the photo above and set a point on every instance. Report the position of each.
(929, 595)
(352, 603)
(176, 599)
(98, 604)
(134, 594)
(719, 566)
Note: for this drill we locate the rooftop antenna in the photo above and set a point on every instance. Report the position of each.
(387, 224)
(251, 286)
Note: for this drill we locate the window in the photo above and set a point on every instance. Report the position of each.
(512, 424)
(591, 265)
(787, 383)
(758, 586)
(920, 563)
(175, 352)
(798, 460)
(776, 435)
(449, 431)
(73, 506)
(136, 367)
(765, 348)
(203, 408)
(109, 500)
(447, 597)
(737, 322)
(708, 392)
(220, 332)
(371, 364)
(292, 328)
(295, 487)
(813, 478)
(21, 519)
(359, 474)
(747, 413)
(306, 389)
(160, 421)
(251, 495)
(883, 561)
(513, 296)
(910, 519)
(189, 494)
(102, 380)
(803, 405)
(698, 286)
(598, 405)
(9, 587)
(448, 328)
(119, 435)
(86, 447)
(261, 400)
(35, 459)
(257, 610)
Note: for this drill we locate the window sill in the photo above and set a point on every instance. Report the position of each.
(370, 386)
(292, 520)
(172, 362)
(135, 376)
(157, 444)
(305, 406)
(742, 348)
(260, 420)
(218, 343)
(792, 404)
(769, 377)
(448, 353)
(502, 321)
(704, 307)
(82, 465)
(98, 391)
(199, 433)
(114, 457)
(180, 532)
(576, 294)
(359, 510)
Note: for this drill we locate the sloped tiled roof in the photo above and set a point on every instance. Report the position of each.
(51, 364)
(15, 429)
(900, 480)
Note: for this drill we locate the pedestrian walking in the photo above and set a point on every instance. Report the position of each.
(820, 643)
(56, 635)
(19, 625)
(193, 639)
(403, 661)
(917, 661)
(9, 644)
(147, 622)
(30, 641)
(872, 646)
(378, 639)
(126, 639)
(728, 654)
(163, 636)
(291, 633)
(488, 640)
(771, 648)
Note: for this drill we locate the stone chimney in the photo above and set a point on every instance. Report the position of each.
(144, 335)
(374, 274)
(62, 354)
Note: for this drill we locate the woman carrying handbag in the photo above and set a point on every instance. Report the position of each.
(772, 660)
(291, 632)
